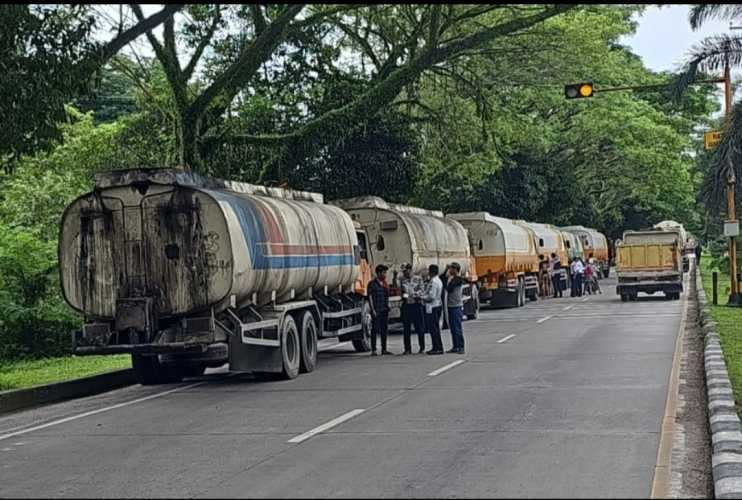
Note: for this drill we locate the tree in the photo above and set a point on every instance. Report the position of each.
(47, 57)
(402, 42)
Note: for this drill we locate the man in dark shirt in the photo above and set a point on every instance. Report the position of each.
(556, 276)
(378, 299)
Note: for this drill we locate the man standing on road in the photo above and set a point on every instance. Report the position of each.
(577, 269)
(455, 304)
(433, 307)
(556, 276)
(378, 299)
(412, 309)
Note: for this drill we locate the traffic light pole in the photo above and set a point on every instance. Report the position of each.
(734, 297)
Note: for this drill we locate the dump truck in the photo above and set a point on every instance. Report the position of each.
(186, 272)
(688, 244)
(650, 261)
(399, 234)
(505, 258)
(594, 245)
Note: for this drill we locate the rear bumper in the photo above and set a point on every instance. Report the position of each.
(649, 286)
(173, 348)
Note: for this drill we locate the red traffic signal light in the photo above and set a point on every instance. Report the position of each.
(578, 90)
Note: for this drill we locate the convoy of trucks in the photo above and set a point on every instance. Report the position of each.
(186, 272)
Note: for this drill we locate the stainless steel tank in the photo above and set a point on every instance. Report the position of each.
(399, 234)
(192, 243)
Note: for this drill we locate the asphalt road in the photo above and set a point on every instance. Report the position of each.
(561, 398)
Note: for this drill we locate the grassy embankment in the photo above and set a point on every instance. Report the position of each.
(21, 374)
(729, 320)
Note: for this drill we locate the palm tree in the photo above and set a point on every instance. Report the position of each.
(713, 55)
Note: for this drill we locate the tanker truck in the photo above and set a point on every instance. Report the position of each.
(505, 258)
(399, 234)
(186, 272)
(547, 240)
(594, 245)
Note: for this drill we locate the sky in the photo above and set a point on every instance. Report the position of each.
(664, 37)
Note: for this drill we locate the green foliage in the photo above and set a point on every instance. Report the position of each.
(30, 373)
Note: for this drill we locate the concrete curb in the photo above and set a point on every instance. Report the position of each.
(18, 399)
(724, 424)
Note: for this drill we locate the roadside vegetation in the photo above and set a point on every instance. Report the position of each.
(729, 321)
(23, 374)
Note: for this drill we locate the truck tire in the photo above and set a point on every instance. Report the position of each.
(521, 292)
(474, 312)
(290, 348)
(363, 344)
(308, 343)
(192, 370)
(149, 371)
(624, 297)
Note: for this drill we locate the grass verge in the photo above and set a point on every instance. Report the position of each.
(729, 320)
(22, 374)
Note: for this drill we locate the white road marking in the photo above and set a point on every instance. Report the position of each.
(444, 368)
(332, 346)
(585, 299)
(327, 425)
(505, 339)
(544, 319)
(568, 308)
(95, 412)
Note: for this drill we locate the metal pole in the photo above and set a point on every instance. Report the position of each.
(714, 287)
(731, 209)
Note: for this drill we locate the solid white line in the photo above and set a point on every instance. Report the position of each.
(544, 319)
(95, 412)
(505, 339)
(327, 425)
(568, 308)
(444, 368)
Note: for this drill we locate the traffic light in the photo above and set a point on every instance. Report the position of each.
(578, 90)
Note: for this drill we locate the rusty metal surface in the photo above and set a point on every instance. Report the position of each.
(191, 248)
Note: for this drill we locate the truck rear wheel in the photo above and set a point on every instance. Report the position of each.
(363, 344)
(624, 297)
(150, 371)
(308, 343)
(290, 347)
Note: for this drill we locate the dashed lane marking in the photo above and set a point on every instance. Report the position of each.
(568, 308)
(327, 425)
(444, 368)
(545, 318)
(505, 339)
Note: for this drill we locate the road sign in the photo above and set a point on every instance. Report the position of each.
(731, 228)
(711, 139)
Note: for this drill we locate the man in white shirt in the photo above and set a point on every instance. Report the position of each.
(577, 269)
(433, 308)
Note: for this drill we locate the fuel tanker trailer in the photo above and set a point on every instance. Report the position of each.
(185, 272)
(548, 239)
(594, 245)
(505, 258)
(399, 234)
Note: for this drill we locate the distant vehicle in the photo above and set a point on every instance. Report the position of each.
(650, 261)
(505, 256)
(688, 243)
(594, 245)
(547, 240)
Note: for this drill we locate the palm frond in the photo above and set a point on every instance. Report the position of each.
(709, 56)
(727, 158)
(701, 13)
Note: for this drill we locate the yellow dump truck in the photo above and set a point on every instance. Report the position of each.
(650, 261)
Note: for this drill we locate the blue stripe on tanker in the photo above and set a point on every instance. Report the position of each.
(254, 232)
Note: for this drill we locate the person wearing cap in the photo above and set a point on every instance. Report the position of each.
(378, 299)
(412, 309)
(455, 305)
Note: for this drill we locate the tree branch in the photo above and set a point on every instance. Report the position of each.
(191, 66)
